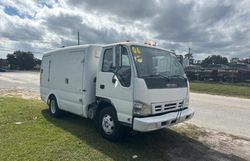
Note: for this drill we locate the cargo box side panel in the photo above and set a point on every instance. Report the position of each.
(67, 80)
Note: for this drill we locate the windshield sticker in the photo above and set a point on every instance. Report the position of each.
(137, 54)
(138, 59)
(136, 50)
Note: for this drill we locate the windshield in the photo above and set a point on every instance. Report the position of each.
(155, 62)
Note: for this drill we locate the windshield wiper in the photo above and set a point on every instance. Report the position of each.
(178, 76)
(164, 76)
(157, 75)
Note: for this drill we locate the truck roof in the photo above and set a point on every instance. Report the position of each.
(72, 47)
(104, 45)
(136, 43)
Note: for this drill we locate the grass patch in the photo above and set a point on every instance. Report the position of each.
(41, 137)
(221, 89)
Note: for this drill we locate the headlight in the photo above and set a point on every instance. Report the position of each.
(142, 109)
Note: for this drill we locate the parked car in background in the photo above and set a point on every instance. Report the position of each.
(2, 70)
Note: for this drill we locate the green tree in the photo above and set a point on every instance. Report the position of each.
(12, 61)
(21, 60)
(215, 59)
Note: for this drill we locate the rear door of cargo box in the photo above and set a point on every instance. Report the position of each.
(45, 72)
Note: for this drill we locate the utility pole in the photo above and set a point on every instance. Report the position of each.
(78, 37)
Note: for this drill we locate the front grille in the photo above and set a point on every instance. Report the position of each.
(166, 106)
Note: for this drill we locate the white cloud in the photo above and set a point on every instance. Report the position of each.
(208, 27)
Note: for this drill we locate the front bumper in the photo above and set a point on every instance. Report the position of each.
(157, 122)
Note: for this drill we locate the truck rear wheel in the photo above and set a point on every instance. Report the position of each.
(53, 108)
(109, 125)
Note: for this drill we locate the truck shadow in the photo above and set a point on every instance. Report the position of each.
(159, 145)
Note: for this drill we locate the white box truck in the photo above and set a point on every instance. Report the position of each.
(119, 85)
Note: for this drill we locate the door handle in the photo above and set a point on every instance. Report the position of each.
(102, 86)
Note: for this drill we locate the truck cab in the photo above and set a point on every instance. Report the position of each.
(144, 86)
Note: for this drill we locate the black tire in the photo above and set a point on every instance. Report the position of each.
(53, 107)
(116, 131)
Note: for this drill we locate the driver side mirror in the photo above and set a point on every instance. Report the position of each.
(117, 50)
(121, 66)
(113, 79)
(116, 65)
(116, 73)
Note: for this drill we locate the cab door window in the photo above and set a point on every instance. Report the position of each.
(107, 64)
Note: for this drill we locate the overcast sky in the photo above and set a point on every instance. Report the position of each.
(207, 27)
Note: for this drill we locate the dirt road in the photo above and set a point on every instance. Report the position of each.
(19, 80)
(24, 84)
(227, 114)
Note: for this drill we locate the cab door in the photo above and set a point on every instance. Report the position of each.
(114, 81)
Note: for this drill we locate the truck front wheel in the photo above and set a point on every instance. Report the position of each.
(53, 107)
(109, 125)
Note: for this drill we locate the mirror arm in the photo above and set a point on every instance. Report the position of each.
(113, 80)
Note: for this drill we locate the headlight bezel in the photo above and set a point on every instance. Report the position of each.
(187, 98)
(186, 101)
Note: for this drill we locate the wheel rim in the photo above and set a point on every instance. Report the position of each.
(108, 124)
(53, 106)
